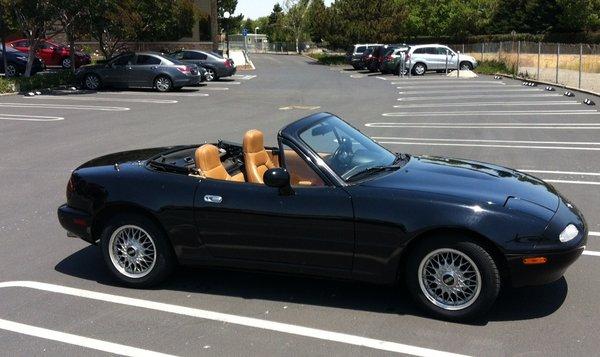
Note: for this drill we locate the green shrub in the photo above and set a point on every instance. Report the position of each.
(494, 67)
(328, 59)
(44, 80)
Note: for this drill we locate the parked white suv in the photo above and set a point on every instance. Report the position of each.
(432, 57)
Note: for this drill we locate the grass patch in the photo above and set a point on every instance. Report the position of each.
(494, 67)
(324, 58)
(44, 80)
(7, 85)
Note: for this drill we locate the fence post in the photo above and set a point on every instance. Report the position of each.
(518, 55)
(580, 62)
(557, 59)
(482, 48)
(500, 52)
(538, 60)
(463, 48)
(446, 62)
(458, 64)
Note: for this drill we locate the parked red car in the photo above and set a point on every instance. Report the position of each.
(53, 54)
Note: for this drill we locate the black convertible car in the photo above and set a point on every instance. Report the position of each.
(327, 201)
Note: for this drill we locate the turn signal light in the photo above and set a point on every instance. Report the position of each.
(535, 260)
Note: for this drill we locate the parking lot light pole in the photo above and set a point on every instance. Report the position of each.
(227, 15)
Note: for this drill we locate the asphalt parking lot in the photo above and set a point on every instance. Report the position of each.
(218, 312)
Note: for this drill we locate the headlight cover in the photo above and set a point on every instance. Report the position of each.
(569, 233)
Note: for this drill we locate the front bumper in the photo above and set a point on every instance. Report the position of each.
(552, 270)
(77, 223)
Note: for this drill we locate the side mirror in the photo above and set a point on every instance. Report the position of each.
(279, 178)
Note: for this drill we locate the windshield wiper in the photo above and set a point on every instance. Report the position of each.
(371, 170)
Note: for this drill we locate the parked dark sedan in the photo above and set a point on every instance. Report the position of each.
(146, 69)
(16, 63)
(326, 201)
(216, 66)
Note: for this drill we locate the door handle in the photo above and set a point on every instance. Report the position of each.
(213, 199)
(153, 67)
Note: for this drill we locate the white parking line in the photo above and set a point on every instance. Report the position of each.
(595, 234)
(223, 83)
(591, 252)
(487, 104)
(104, 99)
(467, 91)
(18, 117)
(438, 80)
(470, 143)
(63, 106)
(594, 183)
(548, 126)
(174, 94)
(77, 340)
(234, 319)
(213, 88)
(480, 96)
(496, 113)
(563, 172)
(463, 87)
(500, 141)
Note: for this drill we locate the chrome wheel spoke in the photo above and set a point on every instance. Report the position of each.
(449, 279)
(132, 251)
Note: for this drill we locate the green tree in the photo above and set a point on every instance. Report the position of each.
(317, 21)
(294, 19)
(71, 15)
(107, 25)
(275, 25)
(35, 19)
(159, 20)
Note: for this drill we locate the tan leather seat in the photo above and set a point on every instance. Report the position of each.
(209, 164)
(256, 159)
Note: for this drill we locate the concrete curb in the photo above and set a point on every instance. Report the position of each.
(11, 93)
(549, 84)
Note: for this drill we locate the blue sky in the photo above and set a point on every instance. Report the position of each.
(258, 8)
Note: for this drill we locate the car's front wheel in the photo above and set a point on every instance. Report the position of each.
(136, 251)
(454, 278)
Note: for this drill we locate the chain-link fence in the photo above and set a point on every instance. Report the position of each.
(573, 65)
(263, 46)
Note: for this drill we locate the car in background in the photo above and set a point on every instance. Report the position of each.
(143, 69)
(53, 54)
(392, 62)
(16, 63)
(375, 61)
(216, 65)
(433, 57)
(354, 56)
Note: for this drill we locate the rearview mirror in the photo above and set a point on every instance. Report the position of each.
(320, 130)
(279, 178)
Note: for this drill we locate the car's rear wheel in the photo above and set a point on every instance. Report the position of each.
(210, 75)
(11, 70)
(163, 84)
(136, 251)
(454, 278)
(466, 66)
(92, 81)
(419, 69)
(66, 63)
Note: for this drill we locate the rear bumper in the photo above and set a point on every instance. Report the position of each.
(226, 72)
(77, 223)
(188, 81)
(554, 269)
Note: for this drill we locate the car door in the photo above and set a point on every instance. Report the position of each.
(312, 228)
(49, 53)
(144, 70)
(117, 73)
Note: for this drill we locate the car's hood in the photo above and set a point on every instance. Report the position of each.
(472, 180)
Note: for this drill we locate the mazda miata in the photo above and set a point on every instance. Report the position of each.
(327, 201)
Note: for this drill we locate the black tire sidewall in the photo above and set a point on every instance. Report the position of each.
(490, 277)
(165, 260)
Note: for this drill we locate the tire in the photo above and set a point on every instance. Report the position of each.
(211, 75)
(65, 63)
(154, 268)
(482, 276)
(11, 70)
(466, 66)
(163, 84)
(91, 81)
(419, 69)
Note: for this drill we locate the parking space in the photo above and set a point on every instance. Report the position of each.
(73, 306)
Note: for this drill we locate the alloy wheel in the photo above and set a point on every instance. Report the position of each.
(163, 84)
(449, 279)
(92, 82)
(11, 70)
(419, 69)
(210, 75)
(66, 63)
(132, 251)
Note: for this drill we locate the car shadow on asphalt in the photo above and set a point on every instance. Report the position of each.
(512, 305)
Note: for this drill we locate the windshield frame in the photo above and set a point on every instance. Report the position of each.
(295, 129)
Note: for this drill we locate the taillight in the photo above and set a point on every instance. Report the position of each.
(184, 69)
(70, 187)
(228, 63)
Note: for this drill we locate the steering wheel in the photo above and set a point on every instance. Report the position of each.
(342, 157)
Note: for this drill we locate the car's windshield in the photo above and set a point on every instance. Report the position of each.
(343, 148)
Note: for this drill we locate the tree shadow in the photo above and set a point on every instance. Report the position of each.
(514, 304)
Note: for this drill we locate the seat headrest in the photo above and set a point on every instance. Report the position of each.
(253, 141)
(207, 157)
